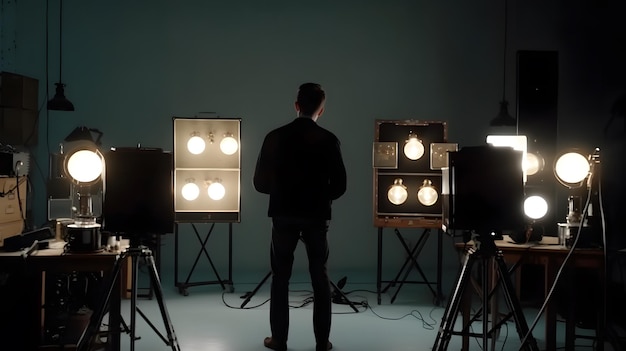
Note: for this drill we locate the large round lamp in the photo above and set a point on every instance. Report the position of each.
(84, 165)
(572, 168)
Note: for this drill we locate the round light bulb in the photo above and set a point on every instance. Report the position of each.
(216, 191)
(413, 149)
(427, 195)
(85, 166)
(397, 193)
(196, 145)
(190, 191)
(533, 163)
(535, 207)
(229, 145)
(572, 168)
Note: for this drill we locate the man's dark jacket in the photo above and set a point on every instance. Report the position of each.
(301, 168)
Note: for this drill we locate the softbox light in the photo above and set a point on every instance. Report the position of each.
(138, 198)
(486, 190)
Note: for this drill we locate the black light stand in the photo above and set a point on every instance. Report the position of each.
(93, 329)
(484, 250)
(485, 198)
(146, 175)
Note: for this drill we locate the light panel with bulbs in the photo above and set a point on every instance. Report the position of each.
(207, 169)
(407, 181)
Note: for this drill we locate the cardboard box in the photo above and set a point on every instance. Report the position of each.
(19, 91)
(10, 229)
(18, 126)
(11, 217)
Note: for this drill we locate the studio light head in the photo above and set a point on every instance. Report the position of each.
(580, 174)
(84, 165)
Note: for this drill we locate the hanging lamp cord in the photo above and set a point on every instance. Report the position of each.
(506, 14)
(61, 41)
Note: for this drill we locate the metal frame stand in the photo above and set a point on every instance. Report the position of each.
(93, 328)
(410, 263)
(227, 284)
(485, 251)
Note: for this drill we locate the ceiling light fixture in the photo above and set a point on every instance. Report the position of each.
(503, 118)
(59, 102)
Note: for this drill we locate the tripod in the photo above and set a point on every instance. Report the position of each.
(136, 253)
(484, 250)
(343, 296)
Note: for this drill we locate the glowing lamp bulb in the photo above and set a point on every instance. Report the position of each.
(427, 195)
(229, 145)
(216, 191)
(196, 145)
(572, 167)
(413, 149)
(535, 207)
(397, 193)
(190, 191)
(533, 163)
(85, 166)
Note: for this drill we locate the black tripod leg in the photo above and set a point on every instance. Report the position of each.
(249, 295)
(158, 290)
(133, 300)
(343, 296)
(93, 328)
(514, 305)
(450, 314)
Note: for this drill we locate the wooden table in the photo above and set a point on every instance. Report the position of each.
(551, 257)
(54, 260)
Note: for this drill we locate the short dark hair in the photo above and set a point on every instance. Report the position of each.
(310, 98)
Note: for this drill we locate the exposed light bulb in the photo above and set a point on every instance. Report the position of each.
(413, 149)
(190, 191)
(216, 191)
(85, 166)
(397, 193)
(534, 163)
(535, 207)
(427, 195)
(229, 145)
(196, 145)
(572, 167)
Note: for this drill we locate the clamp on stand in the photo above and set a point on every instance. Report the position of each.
(484, 250)
(88, 338)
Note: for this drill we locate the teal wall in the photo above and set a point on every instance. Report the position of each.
(130, 66)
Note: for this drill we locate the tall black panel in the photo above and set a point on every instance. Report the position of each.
(537, 112)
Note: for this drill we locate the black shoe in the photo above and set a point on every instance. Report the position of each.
(270, 343)
(329, 346)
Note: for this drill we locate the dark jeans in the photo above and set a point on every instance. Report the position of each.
(285, 235)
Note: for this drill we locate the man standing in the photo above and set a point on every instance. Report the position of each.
(300, 166)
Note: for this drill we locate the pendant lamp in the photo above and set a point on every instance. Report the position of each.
(59, 102)
(503, 118)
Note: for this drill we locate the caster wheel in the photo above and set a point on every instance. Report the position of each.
(229, 288)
